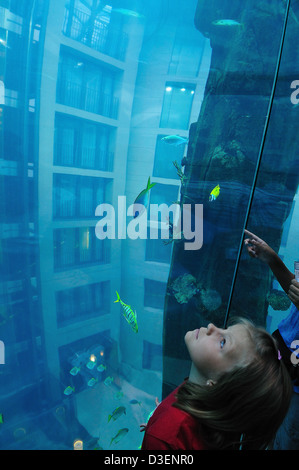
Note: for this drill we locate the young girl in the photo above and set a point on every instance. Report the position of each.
(237, 393)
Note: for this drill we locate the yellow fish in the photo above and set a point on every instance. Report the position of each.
(215, 193)
(128, 313)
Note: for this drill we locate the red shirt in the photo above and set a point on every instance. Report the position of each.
(172, 428)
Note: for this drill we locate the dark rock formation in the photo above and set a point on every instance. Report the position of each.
(224, 146)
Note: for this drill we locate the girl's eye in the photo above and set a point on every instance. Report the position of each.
(222, 343)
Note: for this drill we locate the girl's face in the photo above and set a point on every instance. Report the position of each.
(214, 351)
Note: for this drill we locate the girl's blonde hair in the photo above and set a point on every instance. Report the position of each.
(247, 405)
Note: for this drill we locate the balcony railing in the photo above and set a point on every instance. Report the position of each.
(89, 30)
(86, 98)
(89, 158)
(69, 253)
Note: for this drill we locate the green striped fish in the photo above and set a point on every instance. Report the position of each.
(128, 313)
(121, 433)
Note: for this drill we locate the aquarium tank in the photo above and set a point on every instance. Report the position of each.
(138, 139)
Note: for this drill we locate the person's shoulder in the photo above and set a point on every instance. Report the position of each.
(294, 309)
(177, 428)
(168, 420)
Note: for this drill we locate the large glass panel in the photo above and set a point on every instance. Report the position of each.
(99, 101)
(273, 213)
(238, 99)
(177, 105)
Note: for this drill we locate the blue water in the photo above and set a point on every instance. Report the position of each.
(90, 92)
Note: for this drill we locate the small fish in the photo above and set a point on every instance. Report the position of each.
(1, 418)
(143, 198)
(214, 193)
(118, 395)
(126, 12)
(92, 382)
(175, 140)
(120, 434)
(90, 365)
(128, 313)
(101, 368)
(74, 370)
(69, 390)
(135, 402)
(226, 23)
(117, 413)
(108, 381)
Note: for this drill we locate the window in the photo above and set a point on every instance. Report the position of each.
(70, 80)
(83, 144)
(13, 204)
(177, 104)
(86, 198)
(164, 193)
(82, 303)
(77, 196)
(187, 52)
(154, 293)
(65, 146)
(152, 356)
(89, 146)
(93, 27)
(79, 246)
(157, 251)
(64, 196)
(165, 155)
(83, 85)
(64, 248)
(84, 245)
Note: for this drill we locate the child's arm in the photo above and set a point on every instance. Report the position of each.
(294, 293)
(258, 248)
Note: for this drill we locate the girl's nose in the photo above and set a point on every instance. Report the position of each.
(211, 328)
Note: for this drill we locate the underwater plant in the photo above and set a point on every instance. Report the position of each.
(211, 299)
(278, 300)
(184, 288)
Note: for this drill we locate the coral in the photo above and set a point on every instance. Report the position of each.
(184, 288)
(231, 156)
(278, 300)
(211, 299)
